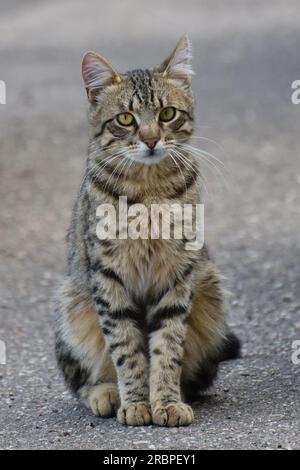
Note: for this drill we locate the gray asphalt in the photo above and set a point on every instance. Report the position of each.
(246, 57)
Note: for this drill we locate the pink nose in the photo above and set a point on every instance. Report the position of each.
(151, 142)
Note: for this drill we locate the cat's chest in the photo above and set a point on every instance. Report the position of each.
(144, 264)
(137, 245)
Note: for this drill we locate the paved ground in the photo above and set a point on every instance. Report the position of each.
(246, 56)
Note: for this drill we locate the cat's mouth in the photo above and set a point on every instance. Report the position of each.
(149, 156)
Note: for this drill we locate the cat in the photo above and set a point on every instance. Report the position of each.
(141, 323)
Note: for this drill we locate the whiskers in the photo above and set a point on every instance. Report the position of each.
(173, 156)
(123, 160)
(191, 165)
(118, 170)
(189, 160)
(100, 164)
(192, 156)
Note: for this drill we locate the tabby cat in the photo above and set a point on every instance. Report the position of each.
(141, 323)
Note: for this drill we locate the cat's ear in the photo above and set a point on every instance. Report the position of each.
(97, 73)
(178, 65)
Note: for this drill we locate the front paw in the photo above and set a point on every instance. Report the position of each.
(102, 399)
(134, 414)
(171, 414)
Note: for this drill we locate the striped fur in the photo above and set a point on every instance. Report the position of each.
(140, 323)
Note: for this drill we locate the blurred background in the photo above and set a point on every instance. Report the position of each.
(246, 58)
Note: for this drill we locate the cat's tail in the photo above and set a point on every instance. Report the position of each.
(231, 348)
(207, 371)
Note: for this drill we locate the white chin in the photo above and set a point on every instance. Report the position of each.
(150, 159)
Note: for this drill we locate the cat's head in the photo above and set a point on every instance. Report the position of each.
(140, 114)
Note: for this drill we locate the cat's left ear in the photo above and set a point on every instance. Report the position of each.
(97, 73)
(178, 65)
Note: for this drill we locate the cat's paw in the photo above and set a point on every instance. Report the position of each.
(172, 414)
(103, 399)
(135, 414)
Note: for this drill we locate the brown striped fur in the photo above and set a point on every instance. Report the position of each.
(141, 324)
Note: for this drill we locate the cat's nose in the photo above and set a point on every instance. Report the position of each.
(151, 143)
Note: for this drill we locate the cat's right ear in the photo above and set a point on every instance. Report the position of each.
(97, 73)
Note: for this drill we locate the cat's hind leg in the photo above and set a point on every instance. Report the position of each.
(81, 351)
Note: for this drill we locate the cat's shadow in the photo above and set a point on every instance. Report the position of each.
(208, 399)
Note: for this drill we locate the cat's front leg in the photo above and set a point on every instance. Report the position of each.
(167, 329)
(119, 320)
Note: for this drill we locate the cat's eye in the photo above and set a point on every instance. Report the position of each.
(125, 119)
(167, 114)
